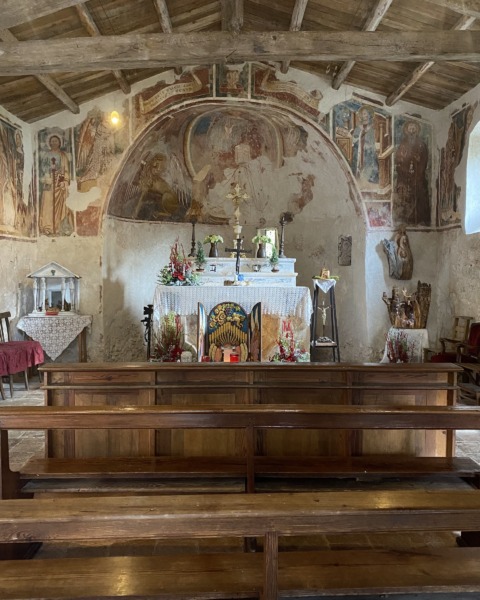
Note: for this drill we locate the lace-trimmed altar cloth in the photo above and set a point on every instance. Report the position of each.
(55, 333)
(281, 301)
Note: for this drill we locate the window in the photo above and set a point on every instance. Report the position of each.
(472, 203)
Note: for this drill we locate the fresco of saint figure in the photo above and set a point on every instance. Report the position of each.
(56, 218)
(411, 204)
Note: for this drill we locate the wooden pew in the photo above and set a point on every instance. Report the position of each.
(270, 574)
(155, 474)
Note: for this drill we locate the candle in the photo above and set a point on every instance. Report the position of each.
(234, 358)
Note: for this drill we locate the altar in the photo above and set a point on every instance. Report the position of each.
(278, 304)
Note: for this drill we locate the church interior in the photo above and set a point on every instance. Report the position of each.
(290, 185)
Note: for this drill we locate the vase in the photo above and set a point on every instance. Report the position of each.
(275, 269)
(261, 251)
(213, 249)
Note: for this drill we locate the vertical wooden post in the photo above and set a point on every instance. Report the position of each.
(270, 564)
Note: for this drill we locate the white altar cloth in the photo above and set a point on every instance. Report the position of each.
(55, 333)
(280, 301)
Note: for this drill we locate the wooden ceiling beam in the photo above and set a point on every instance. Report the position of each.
(165, 22)
(371, 24)
(464, 23)
(16, 12)
(50, 84)
(232, 15)
(134, 51)
(295, 25)
(89, 23)
(464, 7)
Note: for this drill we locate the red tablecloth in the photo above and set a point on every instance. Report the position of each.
(16, 357)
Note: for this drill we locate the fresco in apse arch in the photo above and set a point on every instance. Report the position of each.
(182, 170)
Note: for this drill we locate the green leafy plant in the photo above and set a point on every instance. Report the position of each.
(200, 259)
(274, 256)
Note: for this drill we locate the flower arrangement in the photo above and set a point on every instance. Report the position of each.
(179, 269)
(399, 348)
(213, 238)
(261, 239)
(170, 340)
(274, 257)
(288, 348)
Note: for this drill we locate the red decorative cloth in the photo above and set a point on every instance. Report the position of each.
(16, 357)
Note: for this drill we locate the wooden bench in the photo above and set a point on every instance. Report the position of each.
(167, 474)
(269, 574)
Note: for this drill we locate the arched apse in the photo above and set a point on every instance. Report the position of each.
(180, 170)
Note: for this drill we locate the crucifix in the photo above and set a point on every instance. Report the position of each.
(238, 250)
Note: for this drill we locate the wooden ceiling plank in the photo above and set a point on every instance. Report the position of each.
(464, 7)
(92, 28)
(16, 12)
(295, 25)
(163, 50)
(462, 24)
(232, 15)
(46, 80)
(371, 24)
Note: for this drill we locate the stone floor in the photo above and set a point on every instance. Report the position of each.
(24, 444)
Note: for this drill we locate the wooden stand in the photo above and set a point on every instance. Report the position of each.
(315, 342)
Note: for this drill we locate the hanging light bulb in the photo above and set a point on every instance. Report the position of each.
(114, 118)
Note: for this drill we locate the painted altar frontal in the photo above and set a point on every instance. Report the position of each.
(279, 303)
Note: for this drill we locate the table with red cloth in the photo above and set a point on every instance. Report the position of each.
(16, 357)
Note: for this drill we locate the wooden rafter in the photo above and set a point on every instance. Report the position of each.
(295, 24)
(464, 23)
(133, 51)
(47, 81)
(232, 15)
(371, 24)
(165, 21)
(464, 7)
(92, 28)
(16, 12)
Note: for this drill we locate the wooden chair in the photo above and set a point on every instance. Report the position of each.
(449, 345)
(16, 356)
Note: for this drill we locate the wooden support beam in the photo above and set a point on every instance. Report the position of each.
(464, 7)
(232, 15)
(92, 28)
(136, 51)
(371, 24)
(165, 22)
(51, 85)
(464, 23)
(295, 25)
(16, 12)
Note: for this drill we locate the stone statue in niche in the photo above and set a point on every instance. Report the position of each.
(409, 311)
(400, 258)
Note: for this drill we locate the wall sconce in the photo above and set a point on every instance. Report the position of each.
(114, 117)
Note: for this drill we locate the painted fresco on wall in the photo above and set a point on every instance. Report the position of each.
(411, 198)
(148, 103)
(55, 173)
(183, 169)
(448, 191)
(266, 85)
(363, 135)
(15, 216)
(379, 214)
(233, 81)
(97, 142)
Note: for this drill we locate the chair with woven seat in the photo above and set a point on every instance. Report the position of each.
(16, 356)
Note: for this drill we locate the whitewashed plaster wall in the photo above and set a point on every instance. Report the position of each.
(458, 254)
(119, 267)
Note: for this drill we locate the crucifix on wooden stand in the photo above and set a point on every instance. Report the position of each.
(238, 251)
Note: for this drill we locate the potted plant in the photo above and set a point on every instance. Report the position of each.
(200, 259)
(274, 259)
(213, 239)
(262, 241)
